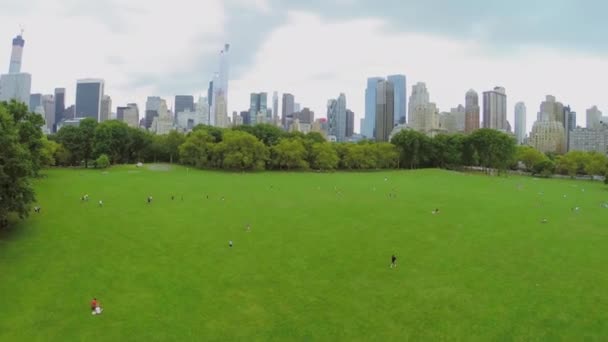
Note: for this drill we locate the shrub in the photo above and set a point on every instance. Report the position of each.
(102, 162)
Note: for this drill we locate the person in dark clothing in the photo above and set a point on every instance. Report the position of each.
(393, 261)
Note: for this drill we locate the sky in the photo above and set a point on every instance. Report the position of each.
(316, 49)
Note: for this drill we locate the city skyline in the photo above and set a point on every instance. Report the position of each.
(475, 56)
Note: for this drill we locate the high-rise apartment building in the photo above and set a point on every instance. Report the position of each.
(472, 110)
(105, 109)
(59, 104)
(152, 107)
(385, 110)
(35, 101)
(520, 122)
(594, 117)
(495, 109)
(275, 108)
(16, 85)
(48, 105)
(288, 110)
(368, 129)
(184, 103)
(400, 84)
(422, 114)
(350, 123)
(89, 93)
(305, 116)
(570, 123)
(258, 105)
(548, 132)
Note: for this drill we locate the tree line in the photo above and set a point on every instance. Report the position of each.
(25, 150)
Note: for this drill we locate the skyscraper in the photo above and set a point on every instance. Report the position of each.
(16, 85)
(306, 116)
(471, 112)
(220, 87)
(258, 105)
(221, 116)
(332, 119)
(495, 109)
(422, 114)
(400, 85)
(594, 117)
(89, 93)
(131, 115)
(275, 108)
(48, 105)
(350, 123)
(105, 108)
(152, 108)
(288, 110)
(210, 94)
(184, 103)
(520, 122)
(341, 118)
(570, 123)
(16, 55)
(548, 133)
(59, 104)
(385, 107)
(370, 107)
(35, 101)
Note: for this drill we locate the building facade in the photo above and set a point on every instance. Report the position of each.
(350, 123)
(105, 109)
(287, 110)
(422, 114)
(258, 104)
(368, 129)
(385, 107)
(16, 85)
(594, 117)
(184, 103)
(520, 122)
(548, 133)
(495, 109)
(400, 84)
(590, 139)
(472, 111)
(89, 93)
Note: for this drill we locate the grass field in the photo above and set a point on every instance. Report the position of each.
(315, 265)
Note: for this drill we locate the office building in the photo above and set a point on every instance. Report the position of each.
(16, 85)
(590, 139)
(594, 117)
(35, 101)
(89, 93)
(548, 134)
(184, 103)
(48, 106)
(520, 122)
(385, 107)
(472, 111)
(288, 110)
(258, 105)
(305, 116)
(422, 114)
(275, 108)
(368, 128)
(105, 109)
(400, 84)
(495, 109)
(350, 123)
(59, 104)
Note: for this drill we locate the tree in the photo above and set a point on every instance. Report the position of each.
(386, 155)
(572, 163)
(28, 125)
(290, 154)
(112, 138)
(324, 157)
(447, 150)
(86, 131)
(198, 149)
(216, 132)
(241, 151)
(413, 147)
(494, 148)
(531, 158)
(174, 140)
(70, 138)
(139, 141)
(596, 164)
(47, 152)
(102, 162)
(16, 161)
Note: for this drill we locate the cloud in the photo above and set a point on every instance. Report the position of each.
(318, 60)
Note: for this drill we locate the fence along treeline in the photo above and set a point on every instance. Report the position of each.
(266, 147)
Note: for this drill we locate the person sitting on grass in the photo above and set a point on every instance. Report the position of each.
(37, 210)
(435, 212)
(393, 261)
(100, 203)
(96, 308)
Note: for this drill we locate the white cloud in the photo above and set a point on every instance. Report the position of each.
(348, 52)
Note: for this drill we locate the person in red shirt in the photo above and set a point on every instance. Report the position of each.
(94, 304)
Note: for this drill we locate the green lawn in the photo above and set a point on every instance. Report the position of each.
(315, 265)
